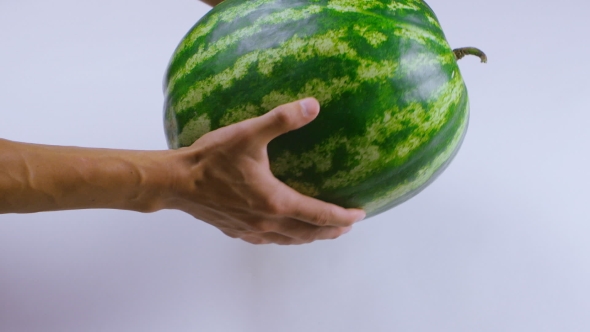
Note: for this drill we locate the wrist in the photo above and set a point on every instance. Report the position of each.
(152, 180)
(170, 179)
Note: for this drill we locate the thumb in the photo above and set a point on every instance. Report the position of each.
(285, 118)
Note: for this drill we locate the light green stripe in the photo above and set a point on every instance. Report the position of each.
(365, 149)
(227, 15)
(424, 122)
(397, 5)
(204, 54)
(326, 45)
(364, 6)
(423, 175)
(329, 44)
(242, 10)
(194, 129)
(359, 6)
(225, 79)
(366, 31)
(323, 91)
(422, 36)
(199, 31)
(321, 157)
(433, 21)
(372, 36)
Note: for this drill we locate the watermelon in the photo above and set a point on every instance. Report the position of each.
(394, 107)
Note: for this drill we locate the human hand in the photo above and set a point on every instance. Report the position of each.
(224, 179)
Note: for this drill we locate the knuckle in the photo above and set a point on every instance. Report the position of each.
(230, 234)
(332, 235)
(273, 205)
(254, 240)
(282, 116)
(325, 233)
(260, 226)
(324, 217)
(336, 234)
(308, 237)
(281, 240)
(286, 242)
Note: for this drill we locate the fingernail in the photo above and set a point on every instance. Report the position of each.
(361, 217)
(306, 105)
(346, 230)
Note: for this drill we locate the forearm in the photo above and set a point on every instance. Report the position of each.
(44, 178)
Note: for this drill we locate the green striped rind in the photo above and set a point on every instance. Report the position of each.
(394, 105)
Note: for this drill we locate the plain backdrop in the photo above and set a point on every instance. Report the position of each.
(500, 242)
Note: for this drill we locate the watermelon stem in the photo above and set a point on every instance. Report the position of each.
(463, 51)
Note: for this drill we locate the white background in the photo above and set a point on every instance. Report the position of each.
(500, 242)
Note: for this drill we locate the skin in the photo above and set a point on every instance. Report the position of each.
(223, 179)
